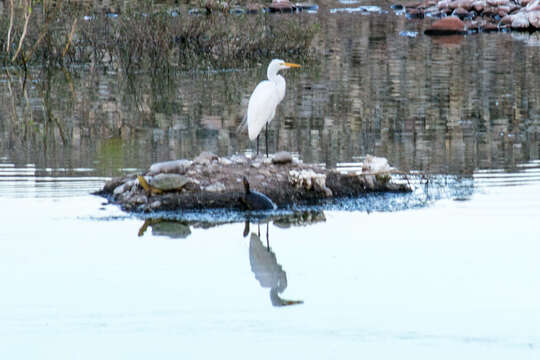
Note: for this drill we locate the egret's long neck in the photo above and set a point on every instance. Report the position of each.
(272, 74)
(279, 81)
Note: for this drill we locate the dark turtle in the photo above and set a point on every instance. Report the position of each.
(254, 200)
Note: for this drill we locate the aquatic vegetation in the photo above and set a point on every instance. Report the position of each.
(146, 36)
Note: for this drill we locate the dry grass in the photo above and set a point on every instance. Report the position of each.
(143, 37)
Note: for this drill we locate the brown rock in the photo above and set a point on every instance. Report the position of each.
(460, 12)
(281, 6)
(453, 4)
(443, 4)
(479, 5)
(465, 4)
(507, 20)
(447, 26)
(490, 10)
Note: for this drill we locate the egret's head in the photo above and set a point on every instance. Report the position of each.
(278, 64)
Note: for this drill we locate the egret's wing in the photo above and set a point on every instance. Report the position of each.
(262, 107)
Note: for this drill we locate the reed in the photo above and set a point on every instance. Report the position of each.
(146, 37)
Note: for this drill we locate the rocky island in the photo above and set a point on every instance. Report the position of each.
(211, 182)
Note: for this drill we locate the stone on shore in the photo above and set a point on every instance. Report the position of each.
(484, 15)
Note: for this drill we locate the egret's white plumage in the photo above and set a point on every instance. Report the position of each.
(265, 99)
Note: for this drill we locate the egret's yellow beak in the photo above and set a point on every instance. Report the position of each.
(292, 65)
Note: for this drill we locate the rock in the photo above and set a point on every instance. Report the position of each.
(443, 4)
(112, 184)
(239, 159)
(119, 189)
(534, 18)
(281, 6)
(506, 20)
(225, 161)
(376, 165)
(218, 185)
(140, 199)
(503, 11)
(497, 2)
(520, 21)
(215, 187)
(123, 188)
(309, 180)
(460, 12)
(155, 204)
(479, 5)
(205, 158)
(282, 157)
(465, 4)
(447, 26)
(532, 5)
(173, 166)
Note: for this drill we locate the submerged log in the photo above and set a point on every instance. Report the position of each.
(210, 182)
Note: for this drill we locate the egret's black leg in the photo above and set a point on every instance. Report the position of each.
(266, 138)
(246, 228)
(267, 241)
(258, 145)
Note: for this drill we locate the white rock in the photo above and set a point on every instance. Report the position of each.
(173, 166)
(225, 161)
(376, 165)
(215, 187)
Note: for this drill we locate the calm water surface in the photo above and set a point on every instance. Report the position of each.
(452, 274)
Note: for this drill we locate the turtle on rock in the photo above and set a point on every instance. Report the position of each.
(163, 182)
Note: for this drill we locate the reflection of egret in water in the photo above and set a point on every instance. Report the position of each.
(267, 270)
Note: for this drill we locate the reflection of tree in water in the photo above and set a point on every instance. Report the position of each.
(423, 105)
(267, 271)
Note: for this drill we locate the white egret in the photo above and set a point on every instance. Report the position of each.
(265, 99)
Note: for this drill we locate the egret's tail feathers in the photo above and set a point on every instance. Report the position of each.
(242, 128)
